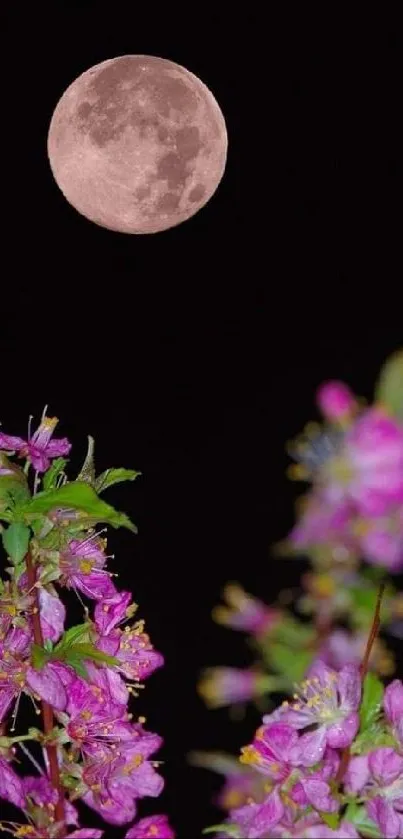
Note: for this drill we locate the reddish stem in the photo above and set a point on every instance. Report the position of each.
(345, 757)
(47, 713)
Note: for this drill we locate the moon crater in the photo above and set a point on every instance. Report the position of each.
(137, 144)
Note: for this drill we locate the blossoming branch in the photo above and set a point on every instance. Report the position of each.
(329, 762)
(79, 679)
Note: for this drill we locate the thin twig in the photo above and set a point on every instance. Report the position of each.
(47, 713)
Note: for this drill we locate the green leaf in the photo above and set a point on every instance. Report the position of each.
(285, 661)
(39, 657)
(79, 668)
(389, 389)
(232, 830)
(357, 814)
(372, 738)
(73, 635)
(48, 645)
(88, 651)
(87, 473)
(114, 476)
(331, 819)
(78, 496)
(16, 541)
(49, 480)
(371, 703)
(73, 652)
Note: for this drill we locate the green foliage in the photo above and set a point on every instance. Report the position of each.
(39, 657)
(372, 733)
(232, 830)
(76, 634)
(373, 737)
(13, 488)
(115, 476)
(357, 814)
(371, 703)
(75, 654)
(289, 662)
(16, 541)
(77, 496)
(389, 389)
(51, 477)
(87, 472)
(331, 819)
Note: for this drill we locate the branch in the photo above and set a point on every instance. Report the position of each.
(47, 713)
(345, 757)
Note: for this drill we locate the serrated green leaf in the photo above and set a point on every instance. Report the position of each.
(16, 541)
(50, 477)
(389, 389)
(39, 657)
(77, 495)
(73, 635)
(358, 816)
(114, 476)
(371, 702)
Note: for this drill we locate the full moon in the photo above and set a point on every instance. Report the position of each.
(137, 144)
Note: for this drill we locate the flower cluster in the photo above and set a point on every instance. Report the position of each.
(329, 763)
(83, 676)
(349, 525)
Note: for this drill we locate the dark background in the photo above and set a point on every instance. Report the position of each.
(194, 354)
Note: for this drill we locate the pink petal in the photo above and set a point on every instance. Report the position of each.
(335, 400)
(357, 774)
(9, 443)
(48, 685)
(393, 701)
(319, 795)
(349, 687)
(11, 788)
(280, 738)
(310, 747)
(342, 733)
(383, 814)
(52, 615)
(385, 765)
(155, 827)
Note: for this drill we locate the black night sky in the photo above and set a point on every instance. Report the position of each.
(194, 354)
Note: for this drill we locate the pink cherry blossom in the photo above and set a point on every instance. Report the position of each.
(151, 827)
(273, 751)
(39, 448)
(335, 400)
(115, 781)
(113, 611)
(245, 613)
(82, 565)
(327, 704)
(256, 821)
(136, 655)
(226, 685)
(94, 717)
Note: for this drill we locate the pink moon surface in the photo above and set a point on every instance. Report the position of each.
(137, 144)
